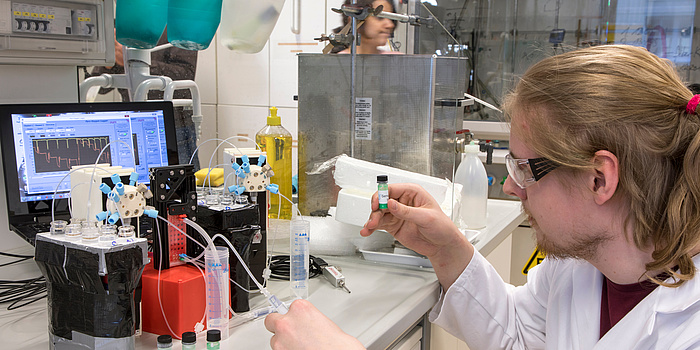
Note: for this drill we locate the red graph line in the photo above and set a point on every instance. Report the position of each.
(91, 144)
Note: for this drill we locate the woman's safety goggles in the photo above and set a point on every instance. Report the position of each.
(526, 172)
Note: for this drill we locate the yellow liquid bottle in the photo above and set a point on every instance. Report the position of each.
(276, 141)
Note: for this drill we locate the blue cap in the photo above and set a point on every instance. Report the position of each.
(262, 159)
(240, 190)
(113, 218)
(245, 158)
(113, 196)
(235, 166)
(116, 179)
(151, 213)
(102, 215)
(105, 188)
(273, 188)
(133, 178)
(120, 188)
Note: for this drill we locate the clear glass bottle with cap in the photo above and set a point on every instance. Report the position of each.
(189, 341)
(276, 141)
(213, 339)
(165, 342)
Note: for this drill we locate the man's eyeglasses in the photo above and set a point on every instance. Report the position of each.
(526, 172)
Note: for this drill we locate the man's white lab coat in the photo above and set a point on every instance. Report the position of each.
(559, 308)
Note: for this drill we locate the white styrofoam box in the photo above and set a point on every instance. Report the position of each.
(85, 190)
(205, 76)
(362, 175)
(330, 237)
(354, 206)
(209, 122)
(243, 79)
(285, 45)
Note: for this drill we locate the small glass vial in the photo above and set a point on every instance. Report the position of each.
(90, 234)
(58, 227)
(74, 231)
(213, 339)
(383, 191)
(226, 200)
(126, 231)
(165, 342)
(212, 199)
(108, 235)
(189, 341)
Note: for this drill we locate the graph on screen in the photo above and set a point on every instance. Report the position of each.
(60, 154)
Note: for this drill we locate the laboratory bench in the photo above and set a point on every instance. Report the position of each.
(386, 309)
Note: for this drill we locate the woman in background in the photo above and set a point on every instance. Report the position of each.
(374, 32)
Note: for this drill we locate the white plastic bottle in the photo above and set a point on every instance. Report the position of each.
(471, 174)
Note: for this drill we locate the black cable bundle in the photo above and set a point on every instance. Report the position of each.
(21, 292)
(279, 267)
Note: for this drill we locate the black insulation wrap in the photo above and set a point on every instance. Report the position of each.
(81, 300)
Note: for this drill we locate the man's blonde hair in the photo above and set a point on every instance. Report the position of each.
(632, 103)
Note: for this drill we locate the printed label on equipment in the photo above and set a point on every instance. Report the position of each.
(363, 118)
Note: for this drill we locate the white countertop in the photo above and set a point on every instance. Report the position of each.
(386, 300)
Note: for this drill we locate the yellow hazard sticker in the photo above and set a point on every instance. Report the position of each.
(535, 259)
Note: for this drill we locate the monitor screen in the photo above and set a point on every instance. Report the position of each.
(42, 142)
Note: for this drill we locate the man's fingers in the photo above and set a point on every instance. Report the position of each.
(270, 321)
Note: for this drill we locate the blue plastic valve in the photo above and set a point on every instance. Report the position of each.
(113, 196)
(101, 216)
(273, 188)
(151, 213)
(120, 188)
(113, 218)
(105, 188)
(133, 178)
(246, 167)
(262, 159)
(116, 179)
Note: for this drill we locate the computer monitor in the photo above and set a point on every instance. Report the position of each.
(42, 142)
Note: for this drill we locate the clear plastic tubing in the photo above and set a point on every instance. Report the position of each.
(299, 262)
(217, 278)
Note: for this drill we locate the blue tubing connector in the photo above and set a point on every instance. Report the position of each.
(245, 159)
(113, 196)
(240, 173)
(105, 188)
(231, 188)
(246, 167)
(116, 179)
(101, 216)
(120, 188)
(113, 218)
(151, 213)
(133, 178)
(235, 166)
(240, 190)
(273, 188)
(262, 159)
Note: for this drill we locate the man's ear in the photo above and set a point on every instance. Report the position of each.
(606, 176)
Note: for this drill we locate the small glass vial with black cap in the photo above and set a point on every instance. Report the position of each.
(213, 339)
(383, 191)
(189, 341)
(165, 342)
